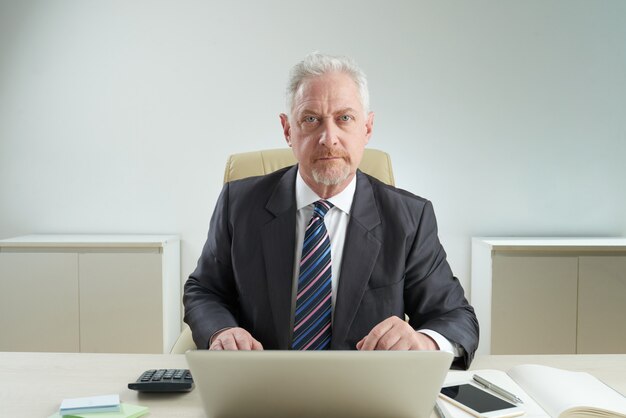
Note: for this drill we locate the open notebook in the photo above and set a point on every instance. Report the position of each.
(550, 392)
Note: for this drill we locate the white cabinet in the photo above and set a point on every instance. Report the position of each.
(550, 295)
(90, 293)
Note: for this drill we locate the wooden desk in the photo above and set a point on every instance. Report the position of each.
(33, 384)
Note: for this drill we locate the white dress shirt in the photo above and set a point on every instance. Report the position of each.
(336, 221)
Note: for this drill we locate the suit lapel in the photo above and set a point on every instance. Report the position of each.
(359, 257)
(278, 242)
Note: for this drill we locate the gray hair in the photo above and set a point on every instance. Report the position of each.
(316, 64)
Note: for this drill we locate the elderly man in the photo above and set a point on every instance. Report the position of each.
(321, 255)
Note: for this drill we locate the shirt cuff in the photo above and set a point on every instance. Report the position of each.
(443, 343)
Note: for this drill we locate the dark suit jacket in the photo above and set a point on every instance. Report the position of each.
(392, 264)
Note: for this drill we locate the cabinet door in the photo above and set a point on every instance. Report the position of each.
(533, 307)
(121, 307)
(602, 305)
(38, 301)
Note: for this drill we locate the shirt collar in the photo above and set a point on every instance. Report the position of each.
(305, 196)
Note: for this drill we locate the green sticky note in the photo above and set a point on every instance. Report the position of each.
(126, 411)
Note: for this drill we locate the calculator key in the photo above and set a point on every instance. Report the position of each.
(163, 380)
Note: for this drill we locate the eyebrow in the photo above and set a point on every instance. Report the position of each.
(346, 110)
(340, 111)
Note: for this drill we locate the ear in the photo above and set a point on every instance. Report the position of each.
(284, 121)
(369, 126)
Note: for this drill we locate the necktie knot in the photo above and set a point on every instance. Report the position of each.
(322, 207)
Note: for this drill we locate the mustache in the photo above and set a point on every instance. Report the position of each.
(330, 155)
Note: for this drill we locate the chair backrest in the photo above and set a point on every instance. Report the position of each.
(256, 163)
(184, 342)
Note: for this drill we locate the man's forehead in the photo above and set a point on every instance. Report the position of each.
(327, 84)
(338, 89)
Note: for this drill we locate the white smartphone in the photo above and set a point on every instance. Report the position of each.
(479, 402)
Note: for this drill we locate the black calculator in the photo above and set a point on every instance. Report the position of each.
(163, 380)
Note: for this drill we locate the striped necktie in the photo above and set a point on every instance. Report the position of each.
(312, 324)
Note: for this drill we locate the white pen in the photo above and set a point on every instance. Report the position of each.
(504, 393)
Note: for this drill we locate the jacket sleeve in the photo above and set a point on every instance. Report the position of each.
(210, 297)
(434, 298)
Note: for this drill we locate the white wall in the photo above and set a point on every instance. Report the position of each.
(118, 116)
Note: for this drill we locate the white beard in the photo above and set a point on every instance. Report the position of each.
(331, 177)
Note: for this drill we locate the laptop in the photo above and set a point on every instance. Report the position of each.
(302, 384)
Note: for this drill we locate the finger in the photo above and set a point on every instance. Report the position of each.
(360, 344)
(228, 342)
(256, 345)
(402, 344)
(217, 345)
(406, 337)
(368, 342)
(387, 341)
(371, 340)
(242, 341)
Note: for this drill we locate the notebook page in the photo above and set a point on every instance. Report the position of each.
(558, 390)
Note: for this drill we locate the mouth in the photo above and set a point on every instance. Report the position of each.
(330, 158)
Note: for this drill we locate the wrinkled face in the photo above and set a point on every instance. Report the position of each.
(328, 129)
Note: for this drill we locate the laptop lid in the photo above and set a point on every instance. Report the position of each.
(317, 384)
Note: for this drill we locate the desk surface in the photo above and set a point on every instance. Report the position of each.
(33, 384)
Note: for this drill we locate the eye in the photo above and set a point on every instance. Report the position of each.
(345, 118)
(310, 119)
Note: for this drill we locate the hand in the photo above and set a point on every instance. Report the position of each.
(395, 334)
(234, 339)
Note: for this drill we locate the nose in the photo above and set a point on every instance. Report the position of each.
(329, 133)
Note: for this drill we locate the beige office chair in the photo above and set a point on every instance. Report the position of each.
(376, 163)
